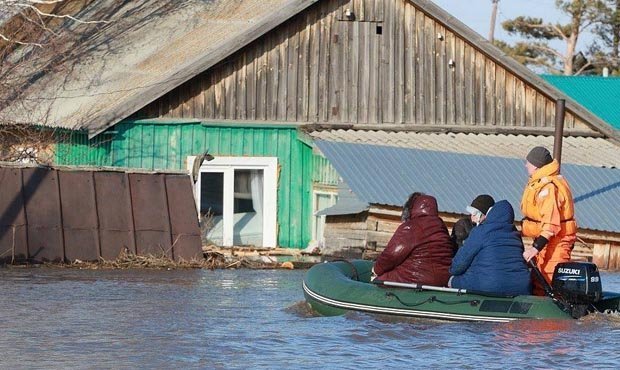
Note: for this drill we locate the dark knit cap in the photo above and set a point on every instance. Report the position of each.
(460, 230)
(482, 203)
(539, 156)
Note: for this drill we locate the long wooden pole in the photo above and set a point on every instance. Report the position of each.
(560, 105)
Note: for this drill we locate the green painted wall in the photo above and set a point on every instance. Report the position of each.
(74, 148)
(323, 172)
(160, 145)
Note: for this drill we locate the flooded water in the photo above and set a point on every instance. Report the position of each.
(60, 318)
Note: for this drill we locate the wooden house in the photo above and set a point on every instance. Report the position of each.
(252, 81)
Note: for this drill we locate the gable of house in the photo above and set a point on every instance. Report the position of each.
(387, 64)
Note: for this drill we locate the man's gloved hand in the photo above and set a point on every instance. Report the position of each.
(539, 243)
(529, 253)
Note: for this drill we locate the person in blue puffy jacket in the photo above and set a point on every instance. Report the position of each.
(491, 259)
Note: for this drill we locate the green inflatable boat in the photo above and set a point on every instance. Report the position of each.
(333, 288)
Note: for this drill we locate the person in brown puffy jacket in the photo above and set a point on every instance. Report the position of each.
(420, 251)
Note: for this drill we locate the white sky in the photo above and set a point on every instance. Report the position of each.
(477, 15)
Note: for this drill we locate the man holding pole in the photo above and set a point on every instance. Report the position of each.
(548, 209)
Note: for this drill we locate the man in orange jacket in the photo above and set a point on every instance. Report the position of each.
(548, 208)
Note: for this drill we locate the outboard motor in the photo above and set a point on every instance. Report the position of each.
(578, 284)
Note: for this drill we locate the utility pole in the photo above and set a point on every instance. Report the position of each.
(493, 17)
(560, 109)
(615, 49)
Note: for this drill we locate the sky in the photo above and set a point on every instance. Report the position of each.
(477, 14)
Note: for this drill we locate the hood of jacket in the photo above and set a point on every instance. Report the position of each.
(423, 205)
(501, 213)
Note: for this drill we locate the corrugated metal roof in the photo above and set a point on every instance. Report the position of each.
(576, 150)
(146, 48)
(600, 95)
(387, 175)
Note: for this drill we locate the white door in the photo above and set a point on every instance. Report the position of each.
(237, 196)
(322, 200)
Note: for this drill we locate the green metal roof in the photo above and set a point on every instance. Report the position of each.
(600, 95)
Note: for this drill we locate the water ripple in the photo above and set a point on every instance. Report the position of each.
(239, 319)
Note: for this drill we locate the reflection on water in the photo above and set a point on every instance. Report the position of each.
(55, 318)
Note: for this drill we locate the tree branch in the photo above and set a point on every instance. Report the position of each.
(547, 26)
(586, 25)
(42, 2)
(559, 31)
(20, 42)
(547, 49)
(551, 67)
(583, 68)
(39, 22)
(540, 62)
(67, 16)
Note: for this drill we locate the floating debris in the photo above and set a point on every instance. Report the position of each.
(214, 258)
(129, 260)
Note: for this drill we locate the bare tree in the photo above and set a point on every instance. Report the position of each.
(29, 39)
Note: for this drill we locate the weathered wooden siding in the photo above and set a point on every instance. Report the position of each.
(363, 230)
(161, 145)
(389, 63)
(606, 254)
(345, 232)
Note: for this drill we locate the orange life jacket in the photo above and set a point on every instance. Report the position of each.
(547, 204)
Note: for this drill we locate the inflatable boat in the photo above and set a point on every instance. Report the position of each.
(333, 288)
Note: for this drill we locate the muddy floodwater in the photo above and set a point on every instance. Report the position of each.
(240, 319)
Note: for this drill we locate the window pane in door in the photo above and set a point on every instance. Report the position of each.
(248, 207)
(212, 207)
(243, 191)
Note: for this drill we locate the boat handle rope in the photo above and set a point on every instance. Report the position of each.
(432, 299)
(356, 275)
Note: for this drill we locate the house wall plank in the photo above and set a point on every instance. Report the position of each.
(384, 65)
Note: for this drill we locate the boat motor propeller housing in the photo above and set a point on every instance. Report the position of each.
(578, 284)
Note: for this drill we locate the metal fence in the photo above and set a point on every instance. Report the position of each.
(55, 214)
